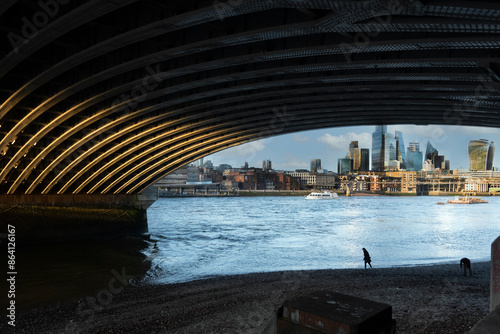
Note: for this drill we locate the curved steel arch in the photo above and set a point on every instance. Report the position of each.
(220, 73)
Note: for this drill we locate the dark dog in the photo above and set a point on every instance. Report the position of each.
(466, 262)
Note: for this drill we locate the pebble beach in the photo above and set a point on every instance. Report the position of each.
(424, 299)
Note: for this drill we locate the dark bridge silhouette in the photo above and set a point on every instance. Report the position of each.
(103, 98)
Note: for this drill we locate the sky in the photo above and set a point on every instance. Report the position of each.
(294, 151)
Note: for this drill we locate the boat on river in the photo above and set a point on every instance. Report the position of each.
(466, 200)
(322, 195)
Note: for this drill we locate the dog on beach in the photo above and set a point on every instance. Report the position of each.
(466, 265)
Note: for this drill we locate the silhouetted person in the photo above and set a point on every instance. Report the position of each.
(367, 258)
(466, 262)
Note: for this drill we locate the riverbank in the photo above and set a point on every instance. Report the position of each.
(425, 299)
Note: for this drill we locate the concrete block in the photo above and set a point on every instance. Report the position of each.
(331, 312)
(489, 324)
(495, 275)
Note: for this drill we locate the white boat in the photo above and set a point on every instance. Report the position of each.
(322, 195)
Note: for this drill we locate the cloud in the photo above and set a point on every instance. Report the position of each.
(291, 162)
(341, 143)
(423, 132)
(300, 138)
(236, 156)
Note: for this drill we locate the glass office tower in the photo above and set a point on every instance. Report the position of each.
(378, 147)
(315, 165)
(355, 155)
(481, 153)
(365, 159)
(430, 152)
(414, 157)
(400, 150)
(389, 151)
(344, 165)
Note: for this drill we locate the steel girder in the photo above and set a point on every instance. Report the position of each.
(109, 96)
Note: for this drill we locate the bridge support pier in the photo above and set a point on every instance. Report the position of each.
(55, 218)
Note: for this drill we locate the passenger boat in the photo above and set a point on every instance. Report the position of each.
(322, 195)
(466, 200)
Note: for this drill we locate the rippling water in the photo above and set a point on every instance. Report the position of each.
(204, 237)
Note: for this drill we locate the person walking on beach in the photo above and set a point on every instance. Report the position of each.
(466, 262)
(367, 258)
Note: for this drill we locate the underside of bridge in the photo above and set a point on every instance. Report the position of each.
(104, 97)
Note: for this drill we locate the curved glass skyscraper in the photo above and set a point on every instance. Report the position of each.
(481, 153)
(378, 147)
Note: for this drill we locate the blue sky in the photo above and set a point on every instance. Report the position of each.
(293, 151)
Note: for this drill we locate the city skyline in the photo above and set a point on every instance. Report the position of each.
(295, 150)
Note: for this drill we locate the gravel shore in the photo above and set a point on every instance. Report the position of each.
(424, 299)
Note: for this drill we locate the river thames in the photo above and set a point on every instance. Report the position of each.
(204, 237)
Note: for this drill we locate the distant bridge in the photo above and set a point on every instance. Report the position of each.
(106, 97)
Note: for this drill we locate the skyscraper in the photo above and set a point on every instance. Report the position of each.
(355, 155)
(315, 165)
(378, 147)
(389, 152)
(266, 165)
(414, 157)
(400, 150)
(365, 159)
(481, 153)
(344, 165)
(430, 151)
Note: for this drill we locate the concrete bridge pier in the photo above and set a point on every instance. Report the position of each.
(60, 218)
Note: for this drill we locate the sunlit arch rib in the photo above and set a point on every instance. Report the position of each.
(53, 124)
(314, 117)
(81, 142)
(190, 19)
(338, 79)
(278, 102)
(152, 141)
(183, 155)
(282, 54)
(146, 176)
(109, 175)
(290, 30)
(80, 127)
(158, 146)
(96, 147)
(130, 37)
(310, 68)
(301, 52)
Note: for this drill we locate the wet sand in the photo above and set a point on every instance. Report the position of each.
(425, 299)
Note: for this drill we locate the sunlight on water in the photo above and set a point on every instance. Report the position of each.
(204, 237)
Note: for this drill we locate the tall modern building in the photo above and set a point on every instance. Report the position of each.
(435, 160)
(400, 150)
(315, 165)
(266, 165)
(355, 155)
(481, 153)
(430, 151)
(344, 165)
(414, 157)
(378, 144)
(365, 159)
(389, 152)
